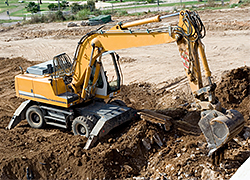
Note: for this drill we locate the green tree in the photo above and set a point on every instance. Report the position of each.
(90, 5)
(53, 7)
(32, 7)
(76, 7)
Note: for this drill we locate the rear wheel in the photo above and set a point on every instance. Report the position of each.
(35, 117)
(82, 126)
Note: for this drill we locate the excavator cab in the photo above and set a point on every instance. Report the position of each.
(109, 82)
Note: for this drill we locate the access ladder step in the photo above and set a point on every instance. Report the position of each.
(55, 119)
(57, 125)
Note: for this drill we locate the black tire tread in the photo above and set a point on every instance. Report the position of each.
(36, 109)
(85, 122)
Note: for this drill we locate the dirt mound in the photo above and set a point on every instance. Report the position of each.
(150, 96)
(234, 90)
(227, 25)
(8, 69)
(226, 19)
(56, 33)
(137, 149)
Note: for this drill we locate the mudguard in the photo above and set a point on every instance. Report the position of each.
(219, 128)
(19, 114)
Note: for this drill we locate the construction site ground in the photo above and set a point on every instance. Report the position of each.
(153, 79)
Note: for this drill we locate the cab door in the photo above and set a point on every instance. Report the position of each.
(109, 81)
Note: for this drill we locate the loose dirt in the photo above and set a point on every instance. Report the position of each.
(138, 149)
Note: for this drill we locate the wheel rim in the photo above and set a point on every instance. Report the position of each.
(35, 118)
(81, 130)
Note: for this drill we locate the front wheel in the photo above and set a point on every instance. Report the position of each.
(82, 126)
(35, 117)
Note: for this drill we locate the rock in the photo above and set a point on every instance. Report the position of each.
(80, 144)
(139, 178)
(184, 149)
(146, 143)
(157, 139)
(78, 152)
(77, 162)
(128, 168)
(24, 158)
(71, 24)
(175, 97)
(246, 134)
(84, 23)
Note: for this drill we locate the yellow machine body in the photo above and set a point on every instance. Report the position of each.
(42, 89)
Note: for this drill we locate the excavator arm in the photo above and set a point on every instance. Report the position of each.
(188, 34)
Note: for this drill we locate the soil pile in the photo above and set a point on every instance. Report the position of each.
(234, 90)
(8, 69)
(137, 149)
(55, 33)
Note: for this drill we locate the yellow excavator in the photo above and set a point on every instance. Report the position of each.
(70, 93)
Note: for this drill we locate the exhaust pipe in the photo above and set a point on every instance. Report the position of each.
(219, 128)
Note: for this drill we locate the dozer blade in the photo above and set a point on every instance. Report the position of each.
(110, 115)
(19, 114)
(220, 128)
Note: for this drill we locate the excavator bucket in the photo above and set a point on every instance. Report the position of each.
(219, 128)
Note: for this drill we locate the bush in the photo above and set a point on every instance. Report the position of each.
(90, 5)
(59, 16)
(108, 12)
(71, 18)
(32, 7)
(64, 4)
(43, 18)
(54, 6)
(115, 12)
(76, 8)
(150, 1)
(121, 13)
(51, 17)
(83, 14)
(35, 19)
(210, 3)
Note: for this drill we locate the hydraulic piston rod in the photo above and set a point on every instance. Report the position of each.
(148, 20)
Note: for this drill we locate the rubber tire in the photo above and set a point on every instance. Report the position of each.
(35, 112)
(92, 119)
(82, 122)
(118, 102)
